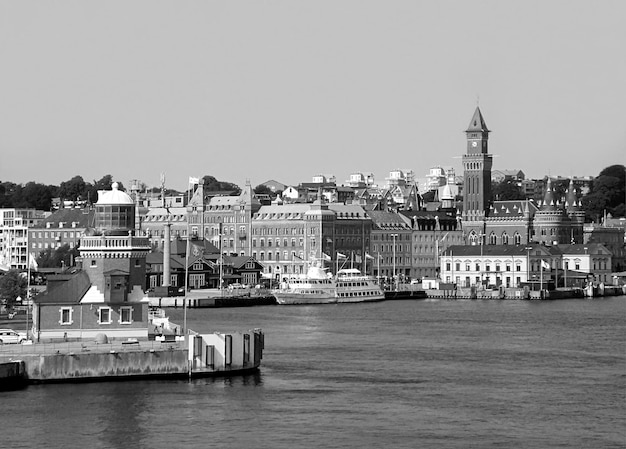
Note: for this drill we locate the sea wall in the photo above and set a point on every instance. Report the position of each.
(201, 355)
(103, 365)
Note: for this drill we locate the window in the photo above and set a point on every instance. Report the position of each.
(93, 262)
(65, 318)
(126, 315)
(104, 315)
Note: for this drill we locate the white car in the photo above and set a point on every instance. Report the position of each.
(11, 336)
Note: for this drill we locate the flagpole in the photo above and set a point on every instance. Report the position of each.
(28, 279)
(186, 284)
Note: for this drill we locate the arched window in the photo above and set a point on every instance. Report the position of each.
(493, 240)
(517, 238)
(505, 238)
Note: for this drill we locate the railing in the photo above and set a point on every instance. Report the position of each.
(115, 242)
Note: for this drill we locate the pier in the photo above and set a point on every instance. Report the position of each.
(73, 361)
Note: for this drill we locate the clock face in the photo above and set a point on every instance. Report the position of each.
(474, 144)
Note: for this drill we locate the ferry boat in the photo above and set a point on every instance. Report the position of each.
(317, 287)
(352, 286)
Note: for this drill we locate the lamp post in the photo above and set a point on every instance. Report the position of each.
(395, 279)
(186, 285)
(221, 260)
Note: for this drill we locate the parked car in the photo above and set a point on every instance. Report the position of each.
(11, 336)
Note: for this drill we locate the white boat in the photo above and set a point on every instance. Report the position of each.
(317, 287)
(352, 286)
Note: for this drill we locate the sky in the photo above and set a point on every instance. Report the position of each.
(286, 90)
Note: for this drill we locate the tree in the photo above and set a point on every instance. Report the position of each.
(7, 191)
(506, 190)
(12, 284)
(213, 185)
(37, 196)
(74, 189)
(263, 189)
(607, 193)
(57, 258)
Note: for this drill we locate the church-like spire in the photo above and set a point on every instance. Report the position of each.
(477, 124)
(571, 202)
(549, 202)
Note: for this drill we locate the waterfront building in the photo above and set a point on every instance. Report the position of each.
(535, 265)
(432, 233)
(14, 225)
(223, 220)
(105, 293)
(610, 234)
(287, 238)
(390, 255)
(592, 259)
(498, 265)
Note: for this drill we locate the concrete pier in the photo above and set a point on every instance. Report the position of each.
(207, 355)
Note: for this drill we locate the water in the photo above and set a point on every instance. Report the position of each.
(397, 374)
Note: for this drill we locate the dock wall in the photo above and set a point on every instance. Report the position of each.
(91, 366)
(202, 355)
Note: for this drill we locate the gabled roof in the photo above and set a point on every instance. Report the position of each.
(383, 220)
(477, 123)
(156, 257)
(83, 217)
(239, 261)
(65, 289)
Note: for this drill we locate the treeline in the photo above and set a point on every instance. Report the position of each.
(39, 196)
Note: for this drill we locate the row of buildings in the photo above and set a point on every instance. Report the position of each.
(385, 232)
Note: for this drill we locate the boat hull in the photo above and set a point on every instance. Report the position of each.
(373, 298)
(288, 298)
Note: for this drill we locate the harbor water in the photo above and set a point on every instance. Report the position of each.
(395, 374)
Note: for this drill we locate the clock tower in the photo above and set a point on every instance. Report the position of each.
(477, 163)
